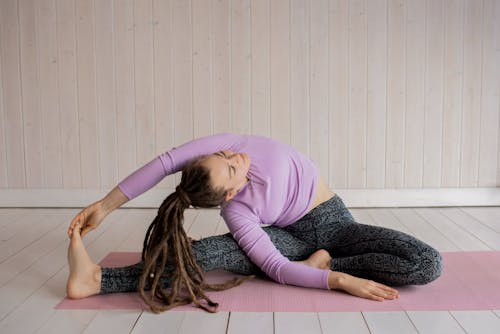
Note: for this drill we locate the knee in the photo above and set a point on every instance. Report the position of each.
(431, 266)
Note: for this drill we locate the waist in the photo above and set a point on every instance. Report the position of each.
(323, 194)
(330, 211)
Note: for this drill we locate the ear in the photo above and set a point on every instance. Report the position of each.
(230, 194)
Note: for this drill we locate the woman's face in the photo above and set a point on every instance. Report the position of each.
(228, 170)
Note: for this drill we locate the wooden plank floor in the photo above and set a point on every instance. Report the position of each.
(33, 273)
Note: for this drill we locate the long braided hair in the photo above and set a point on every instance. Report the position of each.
(166, 244)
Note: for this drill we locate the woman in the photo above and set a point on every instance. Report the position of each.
(255, 180)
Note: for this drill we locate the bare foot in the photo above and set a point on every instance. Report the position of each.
(84, 275)
(320, 259)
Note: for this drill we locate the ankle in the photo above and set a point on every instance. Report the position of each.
(98, 275)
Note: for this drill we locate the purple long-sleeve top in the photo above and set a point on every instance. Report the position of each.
(281, 188)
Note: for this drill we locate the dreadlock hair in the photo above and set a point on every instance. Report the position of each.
(166, 243)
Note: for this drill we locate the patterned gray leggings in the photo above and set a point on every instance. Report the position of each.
(381, 254)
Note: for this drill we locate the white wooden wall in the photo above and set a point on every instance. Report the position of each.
(381, 93)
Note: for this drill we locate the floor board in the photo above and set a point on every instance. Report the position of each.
(209, 323)
(343, 322)
(435, 322)
(166, 322)
(251, 323)
(389, 323)
(474, 226)
(478, 322)
(112, 321)
(296, 323)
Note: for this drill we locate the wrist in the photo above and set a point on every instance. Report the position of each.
(336, 280)
(114, 199)
(104, 206)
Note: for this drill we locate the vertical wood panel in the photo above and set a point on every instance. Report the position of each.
(11, 83)
(11, 91)
(300, 88)
(49, 109)
(490, 95)
(3, 154)
(221, 56)
(70, 130)
(339, 97)
(261, 102)
(182, 45)
(143, 69)
(280, 70)
(30, 95)
(163, 80)
(433, 125)
(396, 93)
(376, 94)
(357, 94)
(240, 66)
(183, 97)
(497, 83)
(453, 71)
(319, 86)
(87, 103)
(125, 92)
(415, 70)
(108, 149)
(471, 104)
(202, 112)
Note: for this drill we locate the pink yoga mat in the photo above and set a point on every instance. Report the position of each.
(470, 281)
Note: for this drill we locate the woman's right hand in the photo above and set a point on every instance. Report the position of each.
(363, 288)
(89, 218)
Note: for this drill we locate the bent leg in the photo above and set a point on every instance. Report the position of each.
(216, 252)
(382, 254)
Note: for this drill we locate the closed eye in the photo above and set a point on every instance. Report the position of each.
(222, 153)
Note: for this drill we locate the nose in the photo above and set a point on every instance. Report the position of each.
(235, 158)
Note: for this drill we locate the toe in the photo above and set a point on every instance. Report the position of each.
(76, 233)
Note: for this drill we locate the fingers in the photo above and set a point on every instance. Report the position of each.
(76, 230)
(79, 218)
(382, 295)
(387, 289)
(380, 292)
(84, 231)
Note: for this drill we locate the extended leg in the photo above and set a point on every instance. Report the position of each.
(216, 252)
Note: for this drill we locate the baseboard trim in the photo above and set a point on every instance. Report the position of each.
(353, 198)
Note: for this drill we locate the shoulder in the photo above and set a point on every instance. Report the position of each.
(236, 213)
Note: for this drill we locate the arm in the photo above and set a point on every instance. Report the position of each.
(149, 175)
(174, 160)
(261, 251)
(92, 216)
(114, 199)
